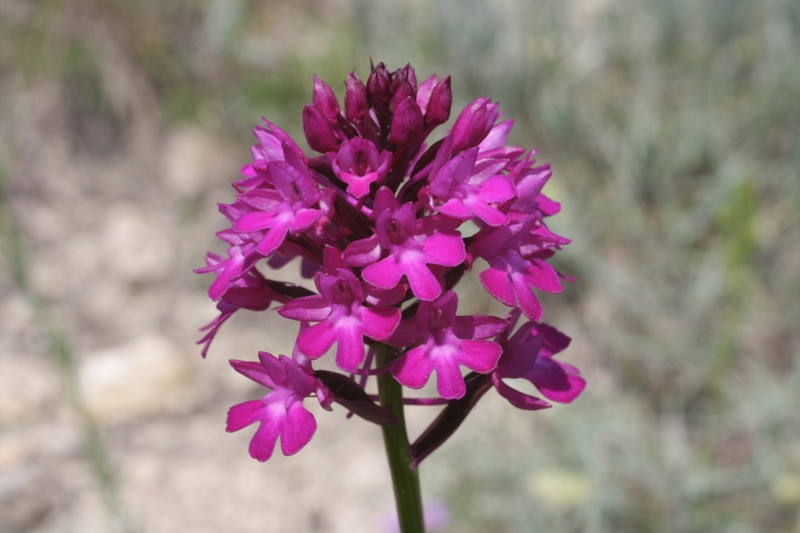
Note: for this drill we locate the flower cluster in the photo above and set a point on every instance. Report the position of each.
(387, 225)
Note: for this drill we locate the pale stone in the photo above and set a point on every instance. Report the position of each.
(147, 376)
(559, 488)
(142, 250)
(27, 384)
(194, 160)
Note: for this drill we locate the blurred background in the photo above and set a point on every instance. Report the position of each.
(674, 132)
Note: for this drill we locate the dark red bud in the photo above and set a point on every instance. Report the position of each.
(403, 91)
(378, 85)
(474, 123)
(439, 105)
(319, 133)
(407, 123)
(355, 99)
(405, 74)
(325, 100)
(410, 76)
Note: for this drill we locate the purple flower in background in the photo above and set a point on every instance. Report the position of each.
(376, 217)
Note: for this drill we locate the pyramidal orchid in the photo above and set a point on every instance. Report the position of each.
(376, 217)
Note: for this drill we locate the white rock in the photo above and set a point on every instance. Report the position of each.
(140, 247)
(144, 377)
(27, 385)
(194, 160)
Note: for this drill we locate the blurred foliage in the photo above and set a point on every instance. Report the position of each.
(674, 132)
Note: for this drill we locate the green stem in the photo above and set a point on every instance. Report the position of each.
(404, 479)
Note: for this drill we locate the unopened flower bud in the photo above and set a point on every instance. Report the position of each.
(403, 91)
(378, 88)
(325, 100)
(405, 74)
(319, 133)
(439, 105)
(474, 123)
(407, 123)
(355, 99)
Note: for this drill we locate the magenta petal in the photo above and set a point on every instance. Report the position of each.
(385, 274)
(254, 371)
(350, 349)
(273, 239)
(317, 339)
(480, 356)
(497, 284)
(301, 380)
(273, 366)
(255, 221)
(423, 283)
(358, 188)
(263, 442)
(478, 326)
(487, 213)
(446, 249)
(449, 381)
(522, 353)
(243, 414)
(363, 252)
(232, 269)
(528, 301)
(517, 398)
(413, 369)
(556, 381)
(304, 218)
(308, 309)
(497, 137)
(455, 208)
(543, 276)
(380, 323)
(547, 206)
(298, 428)
(496, 189)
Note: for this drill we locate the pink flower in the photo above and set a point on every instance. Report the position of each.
(512, 273)
(280, 413)
(529, 355)
(464, 190)
(293, 205)
(358, 164)
(342, 317)
(242, 256)
(250, 291)
(410, 244)
(448, 342)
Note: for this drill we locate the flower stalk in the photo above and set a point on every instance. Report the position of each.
(405, 479)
